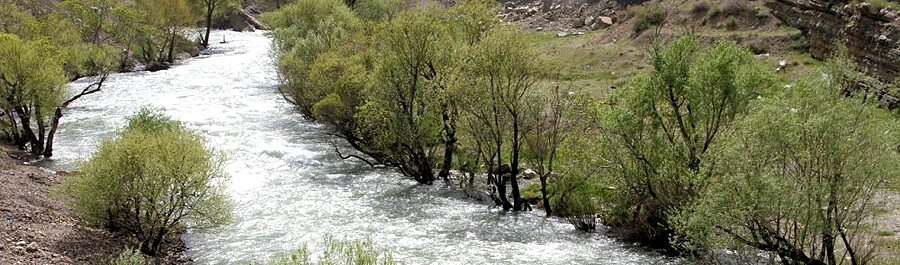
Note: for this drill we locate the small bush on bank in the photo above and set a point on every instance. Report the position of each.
(129, 256)
(338, 252)
(154, 179)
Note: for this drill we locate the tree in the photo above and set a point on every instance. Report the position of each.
(406, 114)
(154, 179)
(303, 30)
(554, 117)
(209, 8)
(503, 72)
(658, 129)
(796, 178)
(164, 20)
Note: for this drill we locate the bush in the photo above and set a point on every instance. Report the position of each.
(797, 179)
(154, 179)
(338, 252)
(129, 256)
(657, 131)
(647, 16)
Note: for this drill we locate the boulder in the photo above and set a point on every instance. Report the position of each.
(157, 66)
(604, 22)
(562, 34)
(577, 23)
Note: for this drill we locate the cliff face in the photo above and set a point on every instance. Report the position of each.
(871, 34)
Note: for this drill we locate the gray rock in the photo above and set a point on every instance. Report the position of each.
(157, 66)
(589, 21)
(21, 243)
(562, 34)
(529, 174)
(578, 23)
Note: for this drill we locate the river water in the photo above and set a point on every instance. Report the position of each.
(289, 187)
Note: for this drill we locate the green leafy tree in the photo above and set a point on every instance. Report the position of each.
(154, 179)
(210, 8)
(660, 126)
(407, 115)
(163, 20)
(796, 178)
(503, 72)
(304, 30)
(555, 116)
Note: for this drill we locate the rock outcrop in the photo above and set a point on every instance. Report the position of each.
(871, 33)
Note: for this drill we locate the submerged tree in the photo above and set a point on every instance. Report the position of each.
(797, 179)
(660, 127)
(502, 72)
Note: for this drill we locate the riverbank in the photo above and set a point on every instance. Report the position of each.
(43, 231)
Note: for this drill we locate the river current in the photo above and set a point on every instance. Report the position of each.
(289, 187)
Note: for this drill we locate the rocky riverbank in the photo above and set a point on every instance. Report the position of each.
(35, 227)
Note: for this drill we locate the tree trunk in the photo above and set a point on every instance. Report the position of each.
(171, 57)
(209, 12)
(544, 198)
(48, 146)
(449, 144)
(514, 167)
(25, 119)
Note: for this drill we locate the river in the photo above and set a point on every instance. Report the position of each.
(289, 187)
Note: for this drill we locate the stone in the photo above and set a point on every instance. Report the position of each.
(157, 66)
(31, 248)
(529, 174)
(589, 20)
(577, 23)
(562, 34)
(21, 243)
(183, 56)
(19, 250)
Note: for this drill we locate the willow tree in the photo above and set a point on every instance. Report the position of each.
(502, 72)
(302, 31)
(797, 179)
(210, 8)
(406, 112)
(163, 20)
(659, 128)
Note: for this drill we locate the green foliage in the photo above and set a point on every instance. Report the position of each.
(796, 177)
(377, 9)
(657, 131)
(304, 30)
(403, 110)
(154, 179)
(647, 16)
(128, 256)
(338, 252)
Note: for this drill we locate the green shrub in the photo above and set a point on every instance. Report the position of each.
(129, 256)
(338, 252)
(657, 131)
(796, 178)
(647, 16)
(154, 179)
